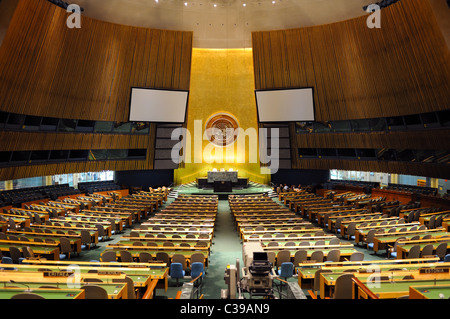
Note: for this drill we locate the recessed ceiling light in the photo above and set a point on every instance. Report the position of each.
(273, 2)
(243, 4)
(215, 5)
(156, 1)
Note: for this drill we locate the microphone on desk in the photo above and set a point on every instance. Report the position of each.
(20, 283)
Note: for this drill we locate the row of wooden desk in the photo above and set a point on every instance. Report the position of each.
(185, 227)
(48, 277)
(381, 279)
(42, 226)
(282, 232)
(410, 275)
(61, 279)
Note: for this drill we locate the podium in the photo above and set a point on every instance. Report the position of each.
(223, 186)
(222, 181)
(231, 176)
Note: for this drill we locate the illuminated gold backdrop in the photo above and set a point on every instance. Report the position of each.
(221, 81)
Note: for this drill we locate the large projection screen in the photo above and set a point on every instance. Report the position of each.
(290, 105)
(157, 105)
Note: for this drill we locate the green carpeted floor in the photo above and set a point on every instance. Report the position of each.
(226, 248)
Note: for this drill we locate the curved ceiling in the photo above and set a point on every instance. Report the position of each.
(223, 23)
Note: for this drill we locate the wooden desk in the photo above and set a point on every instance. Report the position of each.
(306, 271)
(258, 237)
(8, 293)
(429, 292)
(391, 289)
(54, 235)
(345, 251)
(380, 241)
(403, 249)
(141, 273)
(49, 251)
(126, 245)
(187, 254)
(328, 279)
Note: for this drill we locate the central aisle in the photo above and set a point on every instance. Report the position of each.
(224, 251)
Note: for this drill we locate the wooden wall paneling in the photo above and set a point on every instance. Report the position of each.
(178, 47)
(151, 73)
(256, 52)
(418, 140)
(402, 68)
(160, 67)
(48, 69)
(168, 46)
(30, 141)
(122, 84)
(186, 60)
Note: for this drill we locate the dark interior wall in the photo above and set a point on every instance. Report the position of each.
(303, 177)
(144, 178)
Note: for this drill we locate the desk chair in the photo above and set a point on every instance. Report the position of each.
(300, 256)
(314, 293)
(125, 256)
(414, 252)
(282, 257)
(85, 240)
(286, 270)
(351, 231)
(343, 287)
(131, 293)
(196, 269)
(16, 255)
(369, 238)
(392, 250)
(94, 292)
(101, 232)
(163, 256)
(317, 256)
(431, 222)
(145, 257)
(333, 255)
(12, 224)
(427, 250)
(441, 250)
(66, 248)
(176, 271)
(357, 256)
(335, 241)
(27, 295)
(179, 258)
(109, 256)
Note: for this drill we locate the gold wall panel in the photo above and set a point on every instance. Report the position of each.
(221, 81)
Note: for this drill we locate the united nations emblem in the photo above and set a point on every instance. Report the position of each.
(222, 129)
